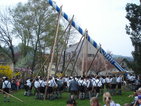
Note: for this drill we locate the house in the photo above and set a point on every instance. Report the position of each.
(79, 57)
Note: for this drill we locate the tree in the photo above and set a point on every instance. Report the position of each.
(35, 25)
(134, 30)
(7, 36)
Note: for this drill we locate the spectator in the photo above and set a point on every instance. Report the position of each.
(18, 84)
(108, 100)
(13, 84)
(94, 101)
(135, 95)
(138, 102)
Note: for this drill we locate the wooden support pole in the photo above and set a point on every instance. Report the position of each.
(66, 68)
(93, 59)
(11, 95)
(68, 26)
(73, 69)
(41, 67)
(66, 42)
(84, 54)
(53, 51)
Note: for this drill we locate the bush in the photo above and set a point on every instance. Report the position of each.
(7, 71)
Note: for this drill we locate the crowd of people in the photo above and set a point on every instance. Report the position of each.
(78, 87)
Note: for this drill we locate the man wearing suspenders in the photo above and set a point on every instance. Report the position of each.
(89, 87)
(119, 84)
(98, 85)
(107, 82)
(6, 87)
(36, 86)
(82, 86)
(41, 89)
(113, 85)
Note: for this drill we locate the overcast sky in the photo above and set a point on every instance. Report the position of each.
(104, 19)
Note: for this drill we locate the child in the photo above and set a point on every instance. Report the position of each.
(107, 98)
(94, 101)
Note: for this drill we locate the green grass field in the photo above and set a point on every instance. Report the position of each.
(30, 101)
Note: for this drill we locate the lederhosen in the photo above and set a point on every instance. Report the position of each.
(102, 84)
(49, 89)
(94, 87)
(30, 88)
(26, 87)
(65, 85)
(36, 89)
(82, 87)
(6, 89)
(119, 85)
(97, 88)
(41, 89)
(107, 84)
(90, 86)
(60, 86)
(113, 86)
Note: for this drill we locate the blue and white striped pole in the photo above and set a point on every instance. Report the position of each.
(79, 29)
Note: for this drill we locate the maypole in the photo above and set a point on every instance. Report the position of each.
(79, 29)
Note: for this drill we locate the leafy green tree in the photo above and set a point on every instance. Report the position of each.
(134, 30)
(35, 24)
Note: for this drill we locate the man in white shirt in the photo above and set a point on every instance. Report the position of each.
(51, 86)
(82, 88)
(119, 84)
(6, 86)
(107, 82)
(113, 85)
(98, 85)
(41, 88)
(36, 86)
(28, 86)
(102, 79)
(89, 87)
